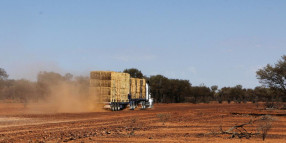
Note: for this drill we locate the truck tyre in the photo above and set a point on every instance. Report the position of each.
(132, 105)
(118, 106)
(143, 104)
(112, 106)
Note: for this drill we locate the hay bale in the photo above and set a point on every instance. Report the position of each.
(110, 86)
(138, 88)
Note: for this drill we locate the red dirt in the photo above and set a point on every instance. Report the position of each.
(183, 123)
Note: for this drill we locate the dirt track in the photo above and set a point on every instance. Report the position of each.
(183, 123)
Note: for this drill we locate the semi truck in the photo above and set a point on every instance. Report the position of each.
(117, 91)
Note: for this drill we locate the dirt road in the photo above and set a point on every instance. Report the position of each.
(163, 123)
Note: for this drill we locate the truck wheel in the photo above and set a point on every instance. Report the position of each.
(118, 106)
(143, 104)
(132, 105)
(112, 106)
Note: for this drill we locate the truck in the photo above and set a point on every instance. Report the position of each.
(117, 91)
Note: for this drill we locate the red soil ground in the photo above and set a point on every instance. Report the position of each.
(163, 123)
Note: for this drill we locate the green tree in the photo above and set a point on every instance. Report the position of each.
(159, 88)
(166, 90)
(225, 95)
(135, 73)
(201, 94)
(274, 76)
(262, 93)
(3, 74)
(237, 93)
(214, 88)
(178, 90)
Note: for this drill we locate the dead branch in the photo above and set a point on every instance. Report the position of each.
(239, 130)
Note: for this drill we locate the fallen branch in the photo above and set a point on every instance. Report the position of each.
(240, 132)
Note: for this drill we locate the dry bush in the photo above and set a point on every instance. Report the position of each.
(264, 129)
(273, 105)
(264, 125)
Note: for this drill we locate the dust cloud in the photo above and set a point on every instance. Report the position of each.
(63, 94)
(67, 98)
(51, 93)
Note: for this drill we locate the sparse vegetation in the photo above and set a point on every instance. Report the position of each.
(263, 125)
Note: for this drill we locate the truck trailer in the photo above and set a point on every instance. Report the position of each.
(117, 91)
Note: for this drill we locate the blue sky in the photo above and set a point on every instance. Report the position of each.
(205, 41)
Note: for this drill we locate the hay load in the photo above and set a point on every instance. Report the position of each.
(138, 88)
(109, 86)
(117, 90)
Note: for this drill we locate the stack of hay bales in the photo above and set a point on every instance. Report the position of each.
(137, 88)
(108, 86)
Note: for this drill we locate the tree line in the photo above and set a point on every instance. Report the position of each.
(166, 90)
(163, 89)
(272, 78)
